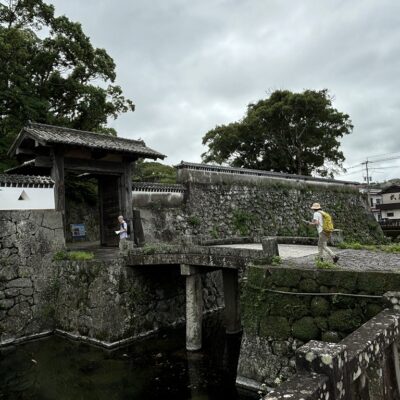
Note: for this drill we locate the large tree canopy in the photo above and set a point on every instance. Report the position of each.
(51, 73)
(287, 132)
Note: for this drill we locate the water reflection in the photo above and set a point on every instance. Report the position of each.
(156, 368)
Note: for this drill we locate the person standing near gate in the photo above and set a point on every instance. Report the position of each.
(123, 232)
(324, 225)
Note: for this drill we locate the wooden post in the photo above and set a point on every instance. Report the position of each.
(126, 199)
(57, 174)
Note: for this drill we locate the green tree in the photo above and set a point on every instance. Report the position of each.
(288, 132)
(151, 171)
(51, 73)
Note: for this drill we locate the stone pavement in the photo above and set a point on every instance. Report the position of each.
(359, 260)
(286, 251)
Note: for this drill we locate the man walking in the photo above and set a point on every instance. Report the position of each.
(123, 232)
(318, 221)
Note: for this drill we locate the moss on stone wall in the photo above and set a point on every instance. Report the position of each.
(306, 329)
(310, 317)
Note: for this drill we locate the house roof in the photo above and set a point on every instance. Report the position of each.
(53, 135)
(391, 189)
(25, 181)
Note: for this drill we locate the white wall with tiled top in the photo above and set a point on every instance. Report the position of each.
(396, 214)
(31, 198)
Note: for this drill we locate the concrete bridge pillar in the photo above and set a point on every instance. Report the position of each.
(232, 301)
(194, 307)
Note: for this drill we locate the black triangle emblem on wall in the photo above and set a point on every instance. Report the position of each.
(23, 196)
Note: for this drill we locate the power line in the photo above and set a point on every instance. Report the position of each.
(382, 155)
(375, 161)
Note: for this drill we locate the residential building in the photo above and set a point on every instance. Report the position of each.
(390, 205)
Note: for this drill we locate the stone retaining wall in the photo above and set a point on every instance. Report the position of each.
(220, 205)
(103, 300)
(109, 302)
(276, 324)
(28, 240)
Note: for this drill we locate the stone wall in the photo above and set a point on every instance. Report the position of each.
(108, 301)
(276, 324)
(221, 205)
(102, 299)
(28, 240)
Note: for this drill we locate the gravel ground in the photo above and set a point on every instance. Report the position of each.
(359, 260)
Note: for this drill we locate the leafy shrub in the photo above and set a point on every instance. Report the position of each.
(242, 221)
(194, 220)
(320, 264)
(276, 260)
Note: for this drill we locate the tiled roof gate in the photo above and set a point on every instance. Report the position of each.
(53, 135)
(108, 158)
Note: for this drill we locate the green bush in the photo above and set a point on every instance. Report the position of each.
(243, 221)
(194, 220)
(214, 232)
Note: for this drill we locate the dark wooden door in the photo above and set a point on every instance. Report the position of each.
(109, 198)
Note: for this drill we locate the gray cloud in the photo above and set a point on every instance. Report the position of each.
(190, 65)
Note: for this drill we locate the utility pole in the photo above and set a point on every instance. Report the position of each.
(367, 172)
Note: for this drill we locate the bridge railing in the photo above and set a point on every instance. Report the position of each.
(363, 366)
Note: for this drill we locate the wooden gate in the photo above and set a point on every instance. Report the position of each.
(110, 209)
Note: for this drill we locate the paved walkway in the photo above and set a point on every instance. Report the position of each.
(358, 260)
(286, 251)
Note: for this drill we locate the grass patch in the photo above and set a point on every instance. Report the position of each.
(320, 264)
(276, 260)
(73, 256)
(149, 249)
(387, 248)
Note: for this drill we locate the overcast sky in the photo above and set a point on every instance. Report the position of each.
(189, 65)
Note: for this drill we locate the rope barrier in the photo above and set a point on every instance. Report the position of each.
(370, 296)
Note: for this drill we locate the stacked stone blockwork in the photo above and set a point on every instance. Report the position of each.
(285, 307)
(28, 240)
(220, 202)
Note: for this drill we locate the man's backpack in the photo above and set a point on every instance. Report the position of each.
(327, 223)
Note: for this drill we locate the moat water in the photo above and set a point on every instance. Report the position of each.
(56, 368)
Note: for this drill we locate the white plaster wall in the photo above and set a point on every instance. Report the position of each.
(389, 198)
(395, 212)
(38, 198)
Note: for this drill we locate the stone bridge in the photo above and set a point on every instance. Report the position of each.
(195, 260)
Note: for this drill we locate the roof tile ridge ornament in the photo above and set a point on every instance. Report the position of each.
(158, 187)
(256, 172)
(25, 180)
(34, 125)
